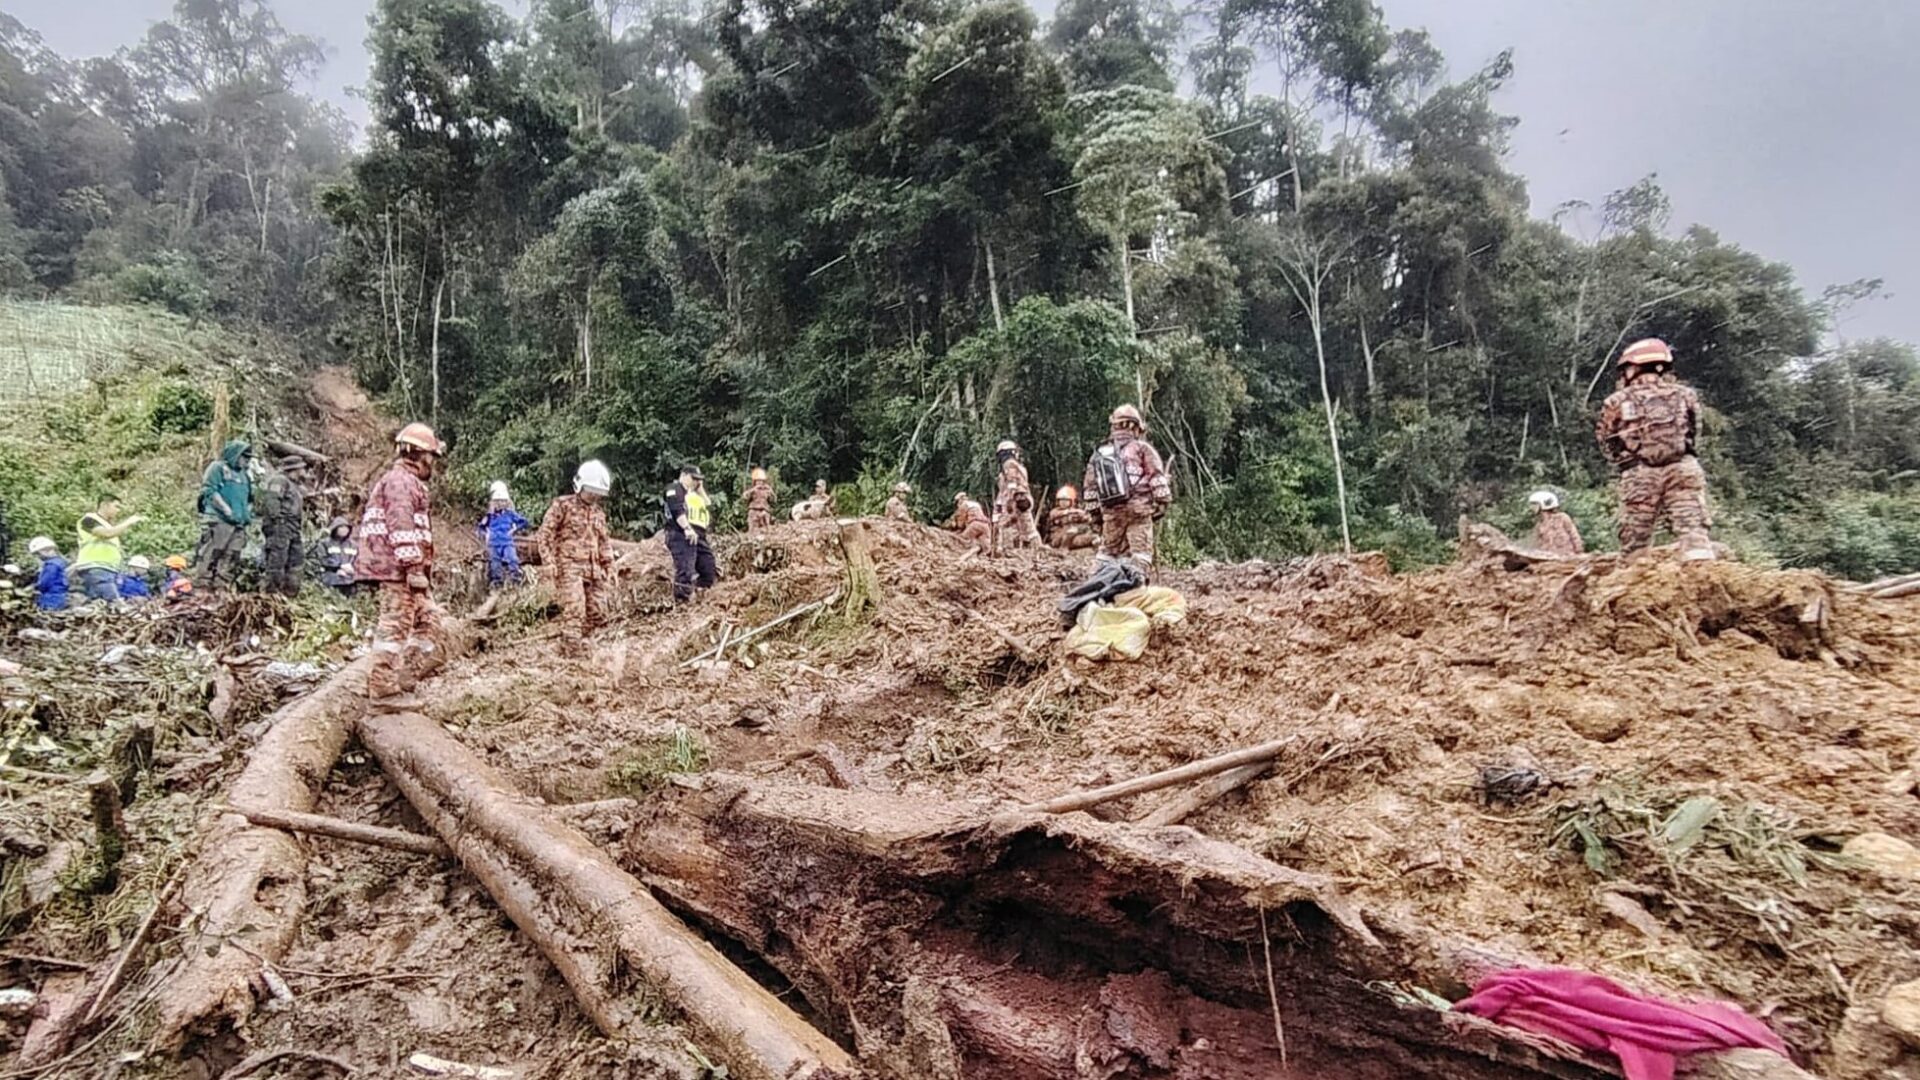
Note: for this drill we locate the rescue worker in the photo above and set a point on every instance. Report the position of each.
(1069, 528)
(1013, 499)
(577, 550)
(823, 498)
(179, 585)
(497, 529)
(50, 586)
(898, 509)
(397, 534)
(334, 554)
(281, 503)
(133, 583)
(1127, 481)
(226, 509)
(759, 502)
(688, 517)
(99, 561)
(1648, 429)
(1553, 530)
(971, 521)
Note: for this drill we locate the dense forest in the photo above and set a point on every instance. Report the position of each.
(866, 239)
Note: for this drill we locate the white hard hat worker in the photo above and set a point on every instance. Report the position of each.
(41, 546)
(498, 492)
(140, 563)
(1543, 501)
(592, 478)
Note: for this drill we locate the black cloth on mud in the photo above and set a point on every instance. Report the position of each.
(1110, 578)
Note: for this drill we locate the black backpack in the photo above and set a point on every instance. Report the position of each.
(1112, 483)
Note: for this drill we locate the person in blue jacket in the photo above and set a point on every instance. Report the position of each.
(133, 583)
(50, 590)
(498, 529)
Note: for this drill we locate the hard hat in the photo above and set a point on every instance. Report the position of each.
(903, 488)
(1645, 351)
(420, 437)
(498, 492)
(139, 562)
(1006, 445)
(1126, 414)
(1544, 500)
(819, 485)
(1066, 493)
(960, 497)
(177, 562)
(593, 478)
(759, 474)
(39, 544)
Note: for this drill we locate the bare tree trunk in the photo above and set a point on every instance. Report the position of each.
(1366, 350)
(439, 293)
(993, 286)
(1326, 398)
(586, 334)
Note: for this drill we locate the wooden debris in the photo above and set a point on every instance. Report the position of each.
(1198, 770)
(595, 922)
(253, 1063)
(118, 973)
(429, 1065)
(742, 639)
(1204, 795)
(353, 832)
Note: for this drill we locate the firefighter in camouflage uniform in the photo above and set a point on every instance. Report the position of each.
(1129, 484)
(396, 550)
(577, 549)
(1648, 429)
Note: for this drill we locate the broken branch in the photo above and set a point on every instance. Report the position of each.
(1140, 785)
(353, 832)
(758, 630)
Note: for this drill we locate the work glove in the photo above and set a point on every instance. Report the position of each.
(418, 582)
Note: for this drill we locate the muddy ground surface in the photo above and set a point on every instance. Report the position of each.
(1490, 765)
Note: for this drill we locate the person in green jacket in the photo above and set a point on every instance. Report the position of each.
(226, 509)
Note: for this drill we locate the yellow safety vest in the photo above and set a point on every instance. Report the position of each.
(697, 512)
(96, 552)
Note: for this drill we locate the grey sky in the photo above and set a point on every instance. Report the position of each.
(1789, 127)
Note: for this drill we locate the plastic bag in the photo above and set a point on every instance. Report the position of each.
(1105, 633)
(1163, 605)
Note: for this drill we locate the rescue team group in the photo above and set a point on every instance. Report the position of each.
(1647, 428)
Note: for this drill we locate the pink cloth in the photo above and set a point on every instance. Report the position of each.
(1592, 1013)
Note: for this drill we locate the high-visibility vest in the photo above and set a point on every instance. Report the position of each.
(96, 552)
(697, 509)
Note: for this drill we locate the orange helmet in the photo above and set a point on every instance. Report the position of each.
(1645, 351)
(420, 437)
(176, 562)
(1126, 414)
(759, 474)
(1066, 494)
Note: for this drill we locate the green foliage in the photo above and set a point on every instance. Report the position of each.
(171, 281)
(647, 766)
(180, 409)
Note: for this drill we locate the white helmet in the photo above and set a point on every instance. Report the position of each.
(1544, 500)
(498, 492)
(40, 545)
(139, 562)
(593, 478)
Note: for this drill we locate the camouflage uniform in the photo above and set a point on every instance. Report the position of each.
(1015, 524)
(396, 550)
(898, 510)
(1070, 528)
(1126, 528)
(973, 523)
(1554, 531)
(575, 543)
(281, 507)
(759, 506)
(1648, 429)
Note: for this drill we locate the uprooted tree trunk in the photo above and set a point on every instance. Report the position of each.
(246, 889)
(957, 946)
(595, 922)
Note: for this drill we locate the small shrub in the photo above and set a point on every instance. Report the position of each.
(180, 409)
(647, 766)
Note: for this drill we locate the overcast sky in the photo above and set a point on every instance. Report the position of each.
(1791, 127)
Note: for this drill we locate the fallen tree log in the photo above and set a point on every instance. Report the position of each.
(247, 886)
(1203, 795)
(589, 917)
(952, 943)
